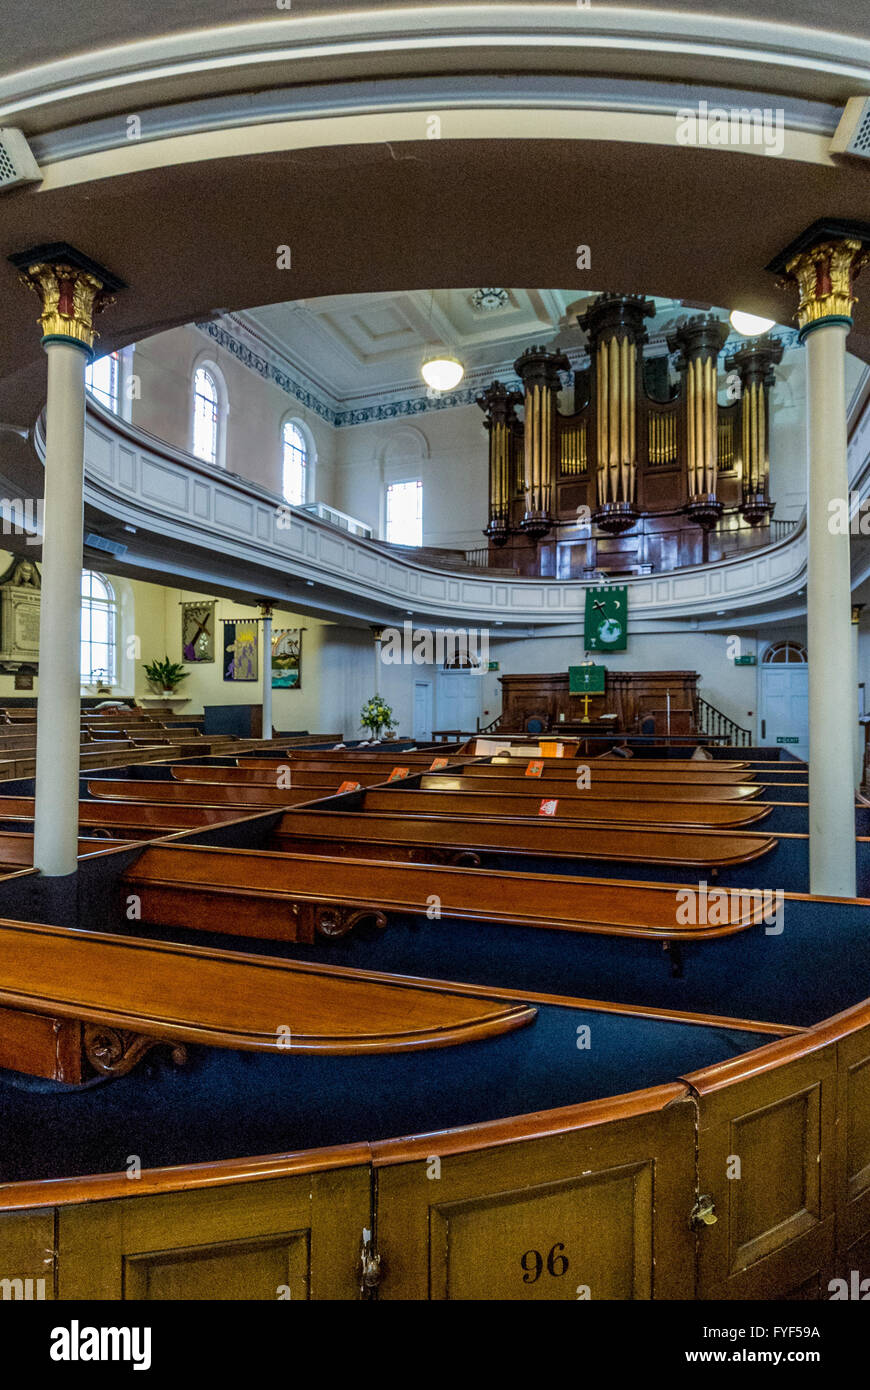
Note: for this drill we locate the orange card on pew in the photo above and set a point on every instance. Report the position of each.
(548, 807)
(397, 773)
(534, 769)
(348, 787)
(437, 763)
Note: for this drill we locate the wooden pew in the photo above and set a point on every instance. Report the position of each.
(608, 791)
(70, 1000)
(313, 758)
(290, 775)
(16, 848)
(291, 897)
(566, 771)
(579, 808)
(651, 764)
(469, 840)
(126, 818)
(283, 775)
(687, 814)
(203, 794)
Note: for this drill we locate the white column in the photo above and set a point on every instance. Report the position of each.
(857, 729)
(267, 672)
(833, 710)
(58, 714)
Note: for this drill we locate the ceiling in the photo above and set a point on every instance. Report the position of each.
(358, 347)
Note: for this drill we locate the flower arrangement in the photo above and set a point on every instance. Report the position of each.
(376, 715)
(165, 676)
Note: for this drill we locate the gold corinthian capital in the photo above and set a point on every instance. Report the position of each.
(825, 275)
(70, 299)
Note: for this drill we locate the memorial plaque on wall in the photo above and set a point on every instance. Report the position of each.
(19, 612)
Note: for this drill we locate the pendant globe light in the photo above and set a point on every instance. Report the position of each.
(749, 325)
(440, 370)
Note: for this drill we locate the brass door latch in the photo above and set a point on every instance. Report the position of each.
(703, 1213)
(369, 1266)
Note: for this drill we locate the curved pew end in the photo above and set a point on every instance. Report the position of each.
(190, 994)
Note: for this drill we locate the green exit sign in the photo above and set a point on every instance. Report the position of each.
(748, 660)
(787, 738)
(493, 666)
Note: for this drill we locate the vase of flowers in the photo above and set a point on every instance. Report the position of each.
(376, 715)
(165, 676)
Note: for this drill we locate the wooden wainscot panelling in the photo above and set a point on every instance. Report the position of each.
(294, 1237)
(591, 1201)
(766, 1157)
(27, 1256)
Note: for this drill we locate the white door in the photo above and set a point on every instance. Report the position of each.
(784, 707)
(423, 711)
(457, 700)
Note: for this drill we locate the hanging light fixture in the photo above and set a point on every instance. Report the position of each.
(750, 325)
(442, 371)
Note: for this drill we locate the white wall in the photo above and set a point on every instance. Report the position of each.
(163, 368)
(446, 448)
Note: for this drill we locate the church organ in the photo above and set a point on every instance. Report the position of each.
(669, 475)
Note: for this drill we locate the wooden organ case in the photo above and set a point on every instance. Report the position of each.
(640, 476)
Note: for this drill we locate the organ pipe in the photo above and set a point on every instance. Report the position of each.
(498, 405)
(698, 342)
(755, 361)
(615, 331)
(539, 371)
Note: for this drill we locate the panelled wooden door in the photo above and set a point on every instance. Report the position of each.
(296, 1237)
(766, 1156)
(853, 1157)
(27, 1256)
(599, 1212)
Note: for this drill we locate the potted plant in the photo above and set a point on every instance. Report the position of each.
(375, 715)
(165, 676)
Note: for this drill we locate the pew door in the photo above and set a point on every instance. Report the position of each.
(27, 1257)
(296, 1237)
(600, 1210)
(767, 1158)
(853, 1157)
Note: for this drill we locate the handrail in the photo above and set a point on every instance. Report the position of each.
(718, 727)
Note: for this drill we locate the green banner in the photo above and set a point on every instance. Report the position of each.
(606, 628)
(586, 680)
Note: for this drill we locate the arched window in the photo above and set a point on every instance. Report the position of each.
(205, 415)
(102, 379)
(294, 482)
(405, 512)
(790, 652)
(99, 627)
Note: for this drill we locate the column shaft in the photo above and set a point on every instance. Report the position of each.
(56, 818)
(833, 705)
(267, 675)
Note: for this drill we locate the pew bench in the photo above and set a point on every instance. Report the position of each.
(580, 808)
(294, 897)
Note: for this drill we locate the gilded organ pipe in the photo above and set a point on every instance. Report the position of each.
(539, 369)
(755, 361)
(498, 405)
(615, 330)
(698, 342)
